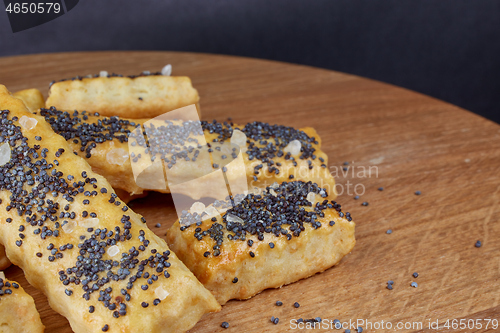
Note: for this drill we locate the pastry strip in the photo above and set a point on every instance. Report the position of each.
(144, 96)
(286, 233)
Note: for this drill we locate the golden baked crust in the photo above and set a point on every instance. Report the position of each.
(92, 256)
(260, 243)
(132, 97)
(32, 98)
(18, 313)
(4, 261)
(94, 137)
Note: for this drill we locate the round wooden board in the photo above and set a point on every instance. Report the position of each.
(411, 142)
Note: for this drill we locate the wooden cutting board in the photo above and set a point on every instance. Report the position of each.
(408, 141)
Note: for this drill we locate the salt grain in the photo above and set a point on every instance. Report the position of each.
(117, 156)
(103, 74)
(197, 207)
(167, 70)
(161, 293)
(4, 154)
(89, 223)
(69, 227)
(311, 196)
(293, 147)
(211, 212)
(28, 123)
(233, 218)
(113, 250)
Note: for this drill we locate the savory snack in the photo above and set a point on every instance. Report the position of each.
(18, 313)
(32, 98)
(141, 96)
(287, 232)
(91, 255)
(270, 153)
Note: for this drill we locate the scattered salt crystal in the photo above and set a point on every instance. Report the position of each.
(211, 212)
(117, 156)
(161, 293)
(274, 185)
(113, 250)
(240, 139)
(272, 192)
(293, 147)
(322, 192)
(2, 275)
(146, 72)
(311, 196)
(4, 154)
(197, 207)
(233, 218)
(167, 70)
(69, 227)
(103, 74)
(28, 123)
(89, 223)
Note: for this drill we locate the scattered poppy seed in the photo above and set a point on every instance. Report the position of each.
(296, 304)
(158, 225)
(380, 188)
(235, 280)
(418, 193)
(415, 275)
(478, 244)
(356, 197)
(279, 303)
(365, 203)
(224, 324)
(389, 231)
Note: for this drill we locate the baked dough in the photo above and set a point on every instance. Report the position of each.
(286, 233)
(4, 261)
(144, 96)
(18, 313)
(32, 98)
(92, 256)
(265, 155)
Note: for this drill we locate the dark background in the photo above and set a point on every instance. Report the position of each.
(449, 49)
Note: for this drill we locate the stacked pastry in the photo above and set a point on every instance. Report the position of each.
(93, 257)
(78, 241)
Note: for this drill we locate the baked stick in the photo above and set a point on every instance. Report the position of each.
(270, 153)
(33, 100)
(283, 234)
(18, 313)
(142, 96)
(92, 256)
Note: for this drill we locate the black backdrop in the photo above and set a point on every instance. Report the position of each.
(449, 49)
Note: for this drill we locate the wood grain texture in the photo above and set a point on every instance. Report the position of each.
(415, 142)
